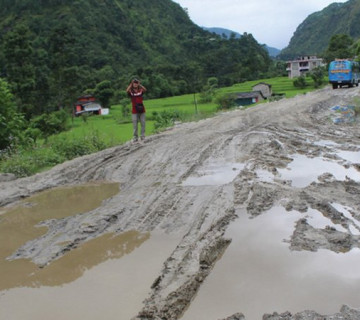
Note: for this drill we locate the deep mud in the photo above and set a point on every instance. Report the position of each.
(194, 180)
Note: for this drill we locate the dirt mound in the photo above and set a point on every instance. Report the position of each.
(163, 186)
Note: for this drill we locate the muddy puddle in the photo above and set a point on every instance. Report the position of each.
(213, 174)
(304, 170)
(258, 273)
(107, 277)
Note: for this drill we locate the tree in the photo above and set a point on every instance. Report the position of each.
(104, 92)
(209, 90)
(11, 122)
(317, 75)
(20, 70)
(340, 47)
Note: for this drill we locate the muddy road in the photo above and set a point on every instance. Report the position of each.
(197, 180)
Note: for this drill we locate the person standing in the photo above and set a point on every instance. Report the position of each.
(136, 90)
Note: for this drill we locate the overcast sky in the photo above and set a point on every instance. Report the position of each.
(271, 22)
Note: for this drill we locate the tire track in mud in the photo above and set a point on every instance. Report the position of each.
(152, 194)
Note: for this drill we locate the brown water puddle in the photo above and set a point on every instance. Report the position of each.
(258, 273)
(112, 290)
(18, 225)
(90, 282)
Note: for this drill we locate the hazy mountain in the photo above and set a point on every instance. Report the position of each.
(313, 34)
(226, 33)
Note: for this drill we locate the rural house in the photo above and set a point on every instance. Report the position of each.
(247, 98)
(264, 88)
(260, 91)
(302, 65)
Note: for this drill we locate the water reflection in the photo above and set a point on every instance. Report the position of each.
(20, 224)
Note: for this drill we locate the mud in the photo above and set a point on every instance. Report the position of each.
(195, 180)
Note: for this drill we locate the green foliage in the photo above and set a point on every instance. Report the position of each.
(67, 47)
(19, 54)
(164, 119)
(340, 47)
(11, 122)
(71, 148)
(209, 90)
(26, 162)
(104, 131)
(50, 123)
(300, 82)
(313, 35)
(226, 101)
(318, 75)
(104, 92)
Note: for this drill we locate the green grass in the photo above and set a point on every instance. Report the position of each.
(116, 129)
(98, 132)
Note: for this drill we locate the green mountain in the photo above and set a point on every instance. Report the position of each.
(313, 34)
(51, 51)
(273, 52)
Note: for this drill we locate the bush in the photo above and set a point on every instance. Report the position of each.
(165, 119)
(50, 123)
(300, 82)
(26, 162)
(225, 101)
(72, 148)
(318, 76)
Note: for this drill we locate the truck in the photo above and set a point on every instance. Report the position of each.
(344, 72)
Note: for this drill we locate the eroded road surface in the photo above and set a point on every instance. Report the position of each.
(236, 197)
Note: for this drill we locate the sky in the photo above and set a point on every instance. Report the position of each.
(271, 22)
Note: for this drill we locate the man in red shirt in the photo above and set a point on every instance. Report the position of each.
(135, 90)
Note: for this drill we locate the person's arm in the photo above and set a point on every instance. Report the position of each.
(143, 88)
(128, 89)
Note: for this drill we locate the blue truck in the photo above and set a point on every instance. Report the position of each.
(344, 72)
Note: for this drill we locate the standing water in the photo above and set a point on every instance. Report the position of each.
(104, 278)
(258, 273)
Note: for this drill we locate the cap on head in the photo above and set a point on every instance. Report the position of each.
(135, 80)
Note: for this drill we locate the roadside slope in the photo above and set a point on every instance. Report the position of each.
(161, 188)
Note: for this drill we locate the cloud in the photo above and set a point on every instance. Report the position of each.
(270, 22)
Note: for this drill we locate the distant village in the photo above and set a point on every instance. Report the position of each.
(263, 91)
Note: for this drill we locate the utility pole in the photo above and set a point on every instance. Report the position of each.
(196, 108)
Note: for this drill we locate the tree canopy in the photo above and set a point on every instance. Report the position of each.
(53, 51)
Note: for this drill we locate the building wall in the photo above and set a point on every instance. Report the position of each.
(303, 65)
(264, 88)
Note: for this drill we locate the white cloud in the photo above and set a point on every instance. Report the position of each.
(270, 22)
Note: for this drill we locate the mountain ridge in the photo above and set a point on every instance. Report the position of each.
(312, 36)
(273, 52)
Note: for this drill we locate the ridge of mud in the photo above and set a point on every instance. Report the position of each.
(265, 139)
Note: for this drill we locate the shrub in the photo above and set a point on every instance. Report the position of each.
(26, 162)
(165, 119)
(299, 82)
(72, 148)
(225, 101)
(50, 123)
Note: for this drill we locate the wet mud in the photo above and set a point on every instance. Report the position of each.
(200, 183)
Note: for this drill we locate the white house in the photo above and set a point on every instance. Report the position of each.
(302, 65)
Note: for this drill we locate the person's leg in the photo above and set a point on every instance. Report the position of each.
(135, 126)
(142, 122)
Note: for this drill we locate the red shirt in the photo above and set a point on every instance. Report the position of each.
(136, 97)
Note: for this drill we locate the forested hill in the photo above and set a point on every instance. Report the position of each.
(226, 33)
(313, 34)
(51, 51)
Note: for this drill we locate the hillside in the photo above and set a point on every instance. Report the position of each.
(273, 52)
(67, 47)
(313, 34)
